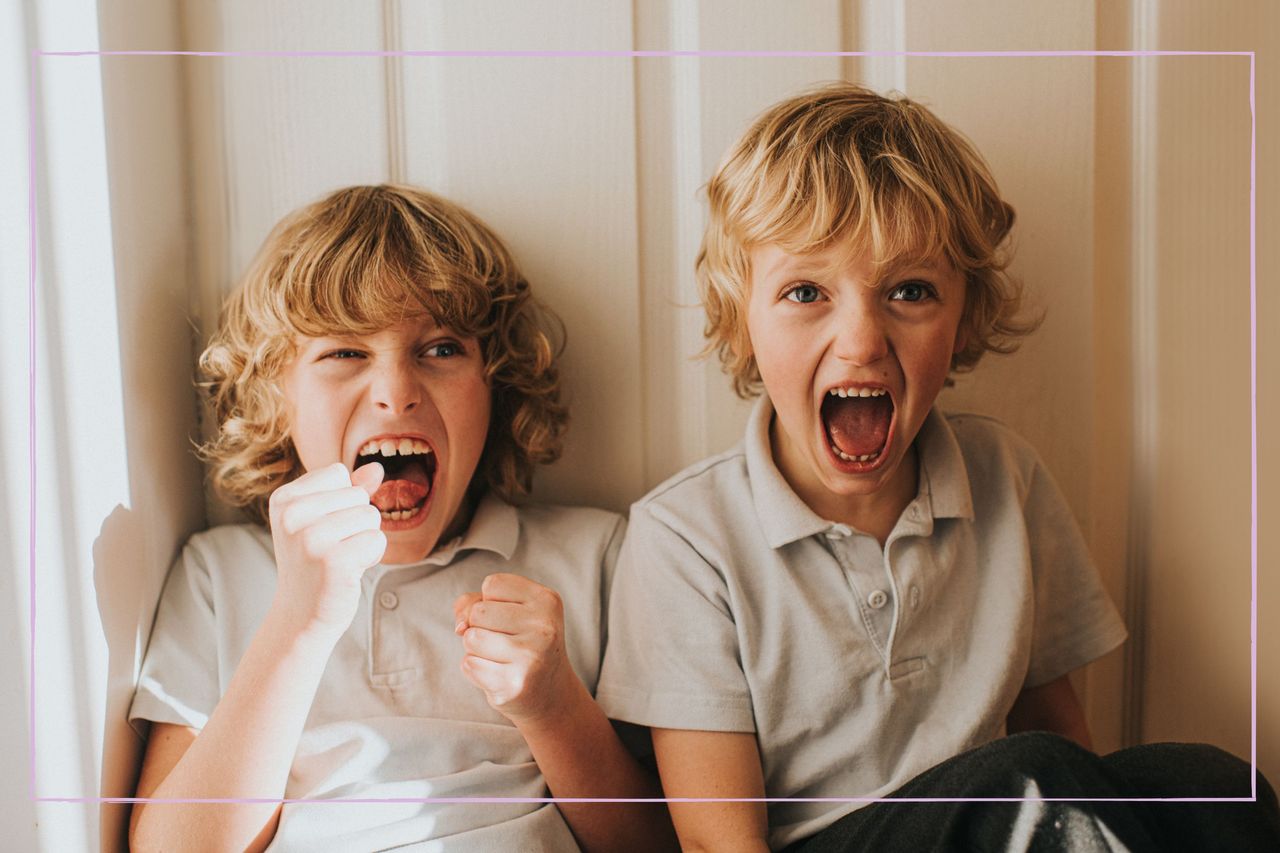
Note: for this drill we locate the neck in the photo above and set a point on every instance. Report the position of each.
(875, 513)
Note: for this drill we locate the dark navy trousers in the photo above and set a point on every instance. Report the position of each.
(1042, 765)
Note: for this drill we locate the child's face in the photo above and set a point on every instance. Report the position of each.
(820, 325)
(415, 391)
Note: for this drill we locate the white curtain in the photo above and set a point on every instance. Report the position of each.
(92, 149)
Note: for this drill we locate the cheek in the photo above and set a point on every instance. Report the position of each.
(766, 342)
(471, 407)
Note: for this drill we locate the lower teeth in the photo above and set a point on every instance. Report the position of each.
(866, 457)
(399, 514)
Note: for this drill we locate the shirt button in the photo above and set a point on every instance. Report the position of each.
(877, 599)
(388, 600)
(915, 597)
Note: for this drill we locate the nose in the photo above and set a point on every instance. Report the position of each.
(395, 389)
(861, 337)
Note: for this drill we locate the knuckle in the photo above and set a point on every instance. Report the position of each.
(288, 514)
(552, 599)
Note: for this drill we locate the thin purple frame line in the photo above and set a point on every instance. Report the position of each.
(1253, 421)
(647, 53)
(31, 395)
(507, 800)
(936, 54)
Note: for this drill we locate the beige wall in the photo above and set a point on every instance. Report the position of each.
(1196, 665)
(1129, 236)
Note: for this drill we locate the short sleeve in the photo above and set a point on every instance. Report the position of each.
(672, 659)
(179, 679)
(1075, 620)
(608, 570)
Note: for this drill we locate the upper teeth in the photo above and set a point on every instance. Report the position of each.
(394, 446)
(858, 392)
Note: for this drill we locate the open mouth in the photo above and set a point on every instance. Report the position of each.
(410, 469)
(857, 422)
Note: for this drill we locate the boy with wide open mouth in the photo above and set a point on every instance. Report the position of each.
(866, 595)
(391, 627)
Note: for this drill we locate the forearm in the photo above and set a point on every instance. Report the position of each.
(244, 752)
(581, 756)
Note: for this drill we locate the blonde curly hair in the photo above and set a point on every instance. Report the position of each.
(843, 165)
(357, 261)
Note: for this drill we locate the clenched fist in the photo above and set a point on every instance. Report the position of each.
(513, 635)
(326, 533)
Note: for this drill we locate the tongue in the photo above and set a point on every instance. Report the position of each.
(858, 425)
(404, 490)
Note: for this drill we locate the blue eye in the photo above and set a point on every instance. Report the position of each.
(913, 291)
(804, 293)
(446, 349)
(343, 354)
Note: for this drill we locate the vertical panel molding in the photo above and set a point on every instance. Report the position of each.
(881, 27)
(394, 70)
(1145, 359)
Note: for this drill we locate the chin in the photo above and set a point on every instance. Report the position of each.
(403, 548)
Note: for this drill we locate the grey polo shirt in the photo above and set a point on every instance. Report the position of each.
(394, 718)
(736, 608)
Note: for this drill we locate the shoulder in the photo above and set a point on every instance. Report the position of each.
(230, 542)
(706, 507)
(556, 519)
(572, 534)
(991, 449)
(696, 487)
(230, 557)
(226, 567)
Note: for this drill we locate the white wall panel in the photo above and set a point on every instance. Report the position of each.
(544, 149)
(1198, 586)
(287, 128)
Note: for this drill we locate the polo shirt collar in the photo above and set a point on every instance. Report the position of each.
(944, 478)
(495, 526)
(785, 518)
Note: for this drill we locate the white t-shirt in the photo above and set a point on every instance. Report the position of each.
(736, 608)
(394, 718)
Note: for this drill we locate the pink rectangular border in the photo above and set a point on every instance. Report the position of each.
(1253, 389)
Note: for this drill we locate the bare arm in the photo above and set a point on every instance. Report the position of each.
(580, 755)
(713, 764)
(245, 751)
(325, 535)
(1051, 707)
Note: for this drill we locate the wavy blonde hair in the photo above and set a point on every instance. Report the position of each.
(841, 164)
(358, 261)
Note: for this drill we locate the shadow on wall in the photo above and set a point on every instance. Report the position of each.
(121, 591)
